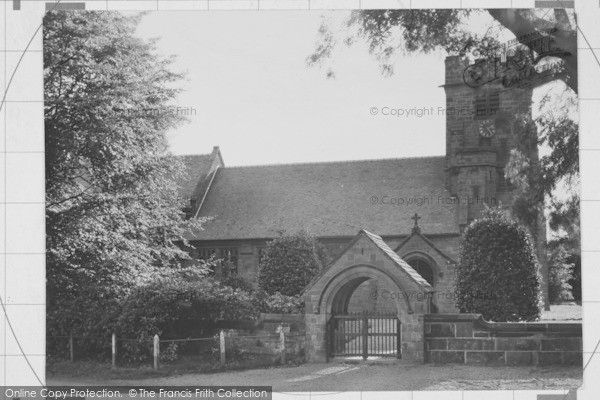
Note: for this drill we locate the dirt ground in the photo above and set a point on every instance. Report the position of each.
(368, 377)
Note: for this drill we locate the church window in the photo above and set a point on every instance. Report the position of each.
(485, 141)
(423, 268)
(487, 105)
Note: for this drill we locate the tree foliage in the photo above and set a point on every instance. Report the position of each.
(561, 269)
(289, 262)
(540, 181)
(278, 303)
(565, 220)
(176, 307)
(237, 282)
(112, 215)
(498, 275)
(388, 32)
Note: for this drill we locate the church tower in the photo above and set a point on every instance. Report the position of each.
(479, 137)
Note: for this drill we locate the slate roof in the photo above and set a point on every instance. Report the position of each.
(329, 199)
(403, 265)
(196, 168)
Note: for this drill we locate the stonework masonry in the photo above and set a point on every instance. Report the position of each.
(332, 290)
(468, 339)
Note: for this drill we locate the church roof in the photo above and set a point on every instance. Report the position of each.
(403, 265)
(196, 167)
(329, 199)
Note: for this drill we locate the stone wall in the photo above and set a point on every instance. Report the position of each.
(469, 339)
(264, 337)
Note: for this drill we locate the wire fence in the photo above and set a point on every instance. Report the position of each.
(226, 349)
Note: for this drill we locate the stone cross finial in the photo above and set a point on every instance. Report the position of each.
(416, 228)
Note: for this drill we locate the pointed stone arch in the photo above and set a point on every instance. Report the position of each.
(366, 257)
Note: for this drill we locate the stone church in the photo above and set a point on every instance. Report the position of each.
(418, 206)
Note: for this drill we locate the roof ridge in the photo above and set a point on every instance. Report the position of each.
(193, 155)
(335, 162)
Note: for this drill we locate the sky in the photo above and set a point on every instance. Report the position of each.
(253, 95)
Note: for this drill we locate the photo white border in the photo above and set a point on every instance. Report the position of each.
(22, 234)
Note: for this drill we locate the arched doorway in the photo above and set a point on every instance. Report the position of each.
(332, 330)
(364, 333)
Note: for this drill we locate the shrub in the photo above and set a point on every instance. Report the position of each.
(177, 308)
(278, 303)
(237, 282)
(290, 262)
(170, 353)
(498, 275)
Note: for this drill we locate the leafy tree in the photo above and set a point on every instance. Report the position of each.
(387, 32)
(564, 219)
(113, 216)
(575, 281)
(290, 262)
(556, 129)
(561, 273)
(538, 179)
(498, 274)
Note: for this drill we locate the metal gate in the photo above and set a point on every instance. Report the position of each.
(364, 334)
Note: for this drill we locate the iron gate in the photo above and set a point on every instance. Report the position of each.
(364, 334)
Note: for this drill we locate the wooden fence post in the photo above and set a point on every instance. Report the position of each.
(114, 350)
(71, 347)
(282, 344)
(222, 346)
(156, 351)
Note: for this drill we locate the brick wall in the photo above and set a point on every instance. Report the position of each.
(468, 339)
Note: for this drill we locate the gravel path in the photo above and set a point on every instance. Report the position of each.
(371, 377)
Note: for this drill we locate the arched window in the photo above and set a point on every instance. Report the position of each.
(423, 268)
